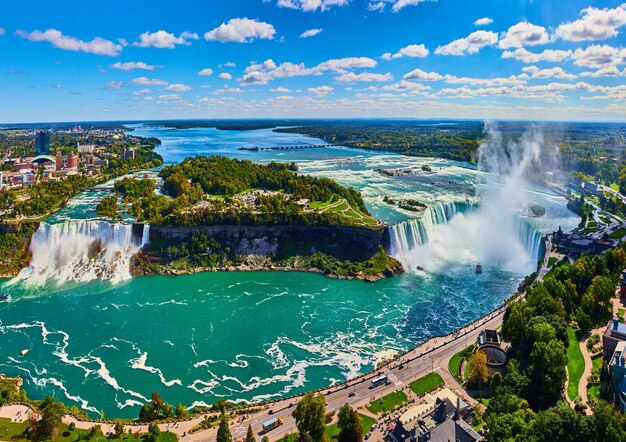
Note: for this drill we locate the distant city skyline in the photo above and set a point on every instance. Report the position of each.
(489, 59)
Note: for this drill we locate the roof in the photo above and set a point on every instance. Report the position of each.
(451, 430)
(270, 421)
(43, 159)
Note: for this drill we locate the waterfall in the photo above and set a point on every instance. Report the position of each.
(458, 233)
(82, 251)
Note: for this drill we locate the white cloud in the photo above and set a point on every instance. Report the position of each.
(310, 5)
(321, 91)
(470, 44)
(338, 64)
(280, 90)
(132, 65)
(97, 46)
(418, 74)
(349, 77)
(399, 4)
(513, 80)
(524, 34)
(225, 76)
(386, 56)
(406, 86)
(162, 39)
(608, 71)
(241, 30)
(170, 97)
(206, 72)
(228, 64)
(262, 73)
(2, 31)
(595, 24)
(143, 92)
(178, 87)
(556, 72)
(528, 57)
(113, 85)
(411, 51)
(148, 81)
(483, 21)
(310, 33)
(598, 57)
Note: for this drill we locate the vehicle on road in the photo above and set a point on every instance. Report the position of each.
(269, 425)
(381, 379)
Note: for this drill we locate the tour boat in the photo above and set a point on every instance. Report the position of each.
(479, 269)
(24, 352)
(5, 297)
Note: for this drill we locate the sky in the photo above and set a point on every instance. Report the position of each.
(486, 59)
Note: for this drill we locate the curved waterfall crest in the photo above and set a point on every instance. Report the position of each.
(83, 251)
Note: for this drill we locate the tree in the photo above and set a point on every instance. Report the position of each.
(52, 413)
(250, 435)
(154, 432)
(223, 432)
(478, 368)
(181, 411)
(547, 373)
(265, 439)
(119, 429)
(309, 415)
(496, 380)
(349, 425)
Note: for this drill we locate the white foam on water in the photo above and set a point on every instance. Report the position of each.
(140, 364)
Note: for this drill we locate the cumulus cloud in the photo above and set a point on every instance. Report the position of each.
(406, 86)
(420, 75)
(228, 64)
(143, 92)
(607, 71)
(162, 39)
(595, 24)
(2, 31)
(483, 21)
(206, 72)
(320, 91)
(113, 85)
(410, 51)
(310, 5)
(556, 72)
(241, 30)
(225, 76)
(524, 34)
(148, 81)
(599, 56)
(470, 44)
(98, 45)
(132, 65)
(280, 90)
(170, 97)
(262, 73)
(178, 87)
(349, 77)
(528, 57)
(399, 4)
(310, 33)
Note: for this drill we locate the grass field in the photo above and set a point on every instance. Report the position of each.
(593, 390)
(14, 431)
(387, 403)
(552, 260)
(455, 361)
(332, 431)
(618, 234)
(426, 383)
(575, 364)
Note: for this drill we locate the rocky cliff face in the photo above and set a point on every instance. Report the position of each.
(341, 242)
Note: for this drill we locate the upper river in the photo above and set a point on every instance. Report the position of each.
(107, 345)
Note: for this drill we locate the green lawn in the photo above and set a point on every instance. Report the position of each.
(387, 403)
(332, 431)
(426, 383)
(14, 431)
(593, 390)
(575, 364)
(618, 234)
(455, 361)
(552, 260)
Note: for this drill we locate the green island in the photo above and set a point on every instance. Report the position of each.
(216, 213)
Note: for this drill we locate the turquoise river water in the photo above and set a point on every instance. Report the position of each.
(108, 344)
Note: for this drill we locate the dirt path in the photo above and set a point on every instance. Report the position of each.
(582, 385)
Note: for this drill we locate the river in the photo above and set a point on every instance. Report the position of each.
(107, 345)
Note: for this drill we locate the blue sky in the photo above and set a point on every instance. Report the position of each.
(509, 59)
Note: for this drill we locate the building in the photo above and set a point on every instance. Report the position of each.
(72, 161)
(127, 154)
(576, 244)
(86, 148)
(617, 367)
(436, 420)
(42, 142)
(614, 333)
